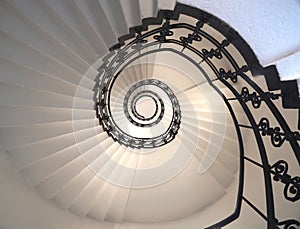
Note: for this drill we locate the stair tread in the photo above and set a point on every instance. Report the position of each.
(20, 96)
(45, 17)
(22, 54)
(11, 74)
(71, 14)
(94, 13)
(39, 39)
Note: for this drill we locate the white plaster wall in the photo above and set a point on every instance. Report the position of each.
(271, 28)
(289, 67)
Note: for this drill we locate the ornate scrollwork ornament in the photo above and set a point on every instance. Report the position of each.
(121, 54)
(272, 95)
(217, 53)
(192, 36)
(294, 135)
(277, 138)
(292, 189)
(292, 185)
(228, 75)
(289, 224)
(280, 169)
(139, 41)
(232, 75)
(254, 98)
(164, 32)
(212, 53)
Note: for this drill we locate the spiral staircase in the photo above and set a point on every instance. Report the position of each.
(110, 121)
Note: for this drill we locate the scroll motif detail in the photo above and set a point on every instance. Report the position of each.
(292, 185)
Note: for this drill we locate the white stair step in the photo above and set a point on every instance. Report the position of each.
(204, 146)
(85, 130)
(28, 154)
(87, 145)
(220, 118)
(83, 93)
(160, 197)
(80, 114)
(217, 129)
(16, 74)
(95, 14)
(148, 8)
(227, 146)
(212, 151)
(229, 161)
(221, 174)
(117, 210)
(55, 182)
(23, 30)
(120, 89)
(12, 116)
(210, 102)
(116, 171)
(225, 90)
(146, 66)
(202, 88)
(227, 133)
(106, 195)
(43, 168)
(60, 178)
(125, 81)
(136, 73)
(208, 129)
(20, 96)
(131, 12)
(193, 146)
(166, 4)
(181, 153)
(101, 205)
(194, 88)
(16, 136)
(87, 197)
(70, 192)
(45, 17)
(71, 14)
(202, 105)
(19, 53)
(118, 24)
(86, 123)
(117, 103)
(118, 205)
(77, 185)
(107, 159)
(158, 155)
(84, 134)
(88, 81)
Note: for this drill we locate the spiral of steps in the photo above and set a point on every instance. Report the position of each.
(52, 62)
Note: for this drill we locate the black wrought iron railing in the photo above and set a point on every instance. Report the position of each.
(263, 104)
